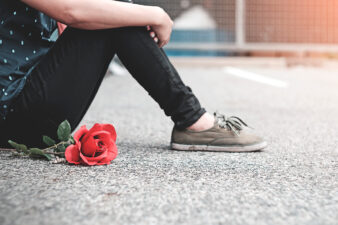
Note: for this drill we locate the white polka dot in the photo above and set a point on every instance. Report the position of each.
(5, 94)
(34, 52)
(13, 50)
(22, 25)
(22, 42)
(5, 106)
(35, 21)
(10, 77)
(14, 13)
(12, 110)
(2, 22)
(3, 89)
(11, 32)
(29, 34)
(5, 61)
(0, 42)
(26, 8)
(41, 33)
(27, 58)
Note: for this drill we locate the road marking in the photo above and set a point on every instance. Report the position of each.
(254, 77)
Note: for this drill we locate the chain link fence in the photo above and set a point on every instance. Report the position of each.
(245, 25)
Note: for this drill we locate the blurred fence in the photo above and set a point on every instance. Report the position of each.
(244, 25)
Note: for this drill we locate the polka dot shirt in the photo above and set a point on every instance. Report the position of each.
(25, 37)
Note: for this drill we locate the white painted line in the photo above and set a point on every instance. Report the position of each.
(254, 77)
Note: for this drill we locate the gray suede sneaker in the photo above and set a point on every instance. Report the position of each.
(229, 134)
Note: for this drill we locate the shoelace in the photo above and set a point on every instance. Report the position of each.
(233, 123)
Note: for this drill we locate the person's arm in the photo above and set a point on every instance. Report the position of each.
(104, 14)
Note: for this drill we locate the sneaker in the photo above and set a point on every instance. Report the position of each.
(229, 134)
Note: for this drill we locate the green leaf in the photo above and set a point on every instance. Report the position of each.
(48, 156)
(72, 140)
(48, 141)
(38, 153)
(18, 147)
(64, 131)
(61, 148)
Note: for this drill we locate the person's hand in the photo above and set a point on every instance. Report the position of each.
(152, 34)
(161, 31)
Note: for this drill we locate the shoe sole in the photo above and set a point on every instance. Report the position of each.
(212, 148)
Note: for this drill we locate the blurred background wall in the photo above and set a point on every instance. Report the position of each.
(292, 21)
(224, 27)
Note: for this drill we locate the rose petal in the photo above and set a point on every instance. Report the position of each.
(85, 161)
(98, 158)
(103, 163)
(93, 160)
(112, 153)
(111, 129)
(104, 134)
(72, 154)
(78, 134)
(96, 127)
(90, 145)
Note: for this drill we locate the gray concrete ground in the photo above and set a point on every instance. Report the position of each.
(294, 181)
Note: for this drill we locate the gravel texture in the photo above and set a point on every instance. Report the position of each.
(294, 181)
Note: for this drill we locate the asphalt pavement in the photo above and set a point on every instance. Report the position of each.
(294, 181)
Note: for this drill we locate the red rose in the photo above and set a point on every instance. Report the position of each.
(93, 147)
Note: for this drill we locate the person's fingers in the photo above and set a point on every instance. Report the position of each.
(159, 43)
(152, 34)
(156, 39)
(148, 27)
(163, 43)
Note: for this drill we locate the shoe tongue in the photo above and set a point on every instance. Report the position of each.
(216, 123)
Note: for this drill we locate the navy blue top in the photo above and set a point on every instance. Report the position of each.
(25, 36)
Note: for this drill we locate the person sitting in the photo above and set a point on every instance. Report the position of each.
(45, 81)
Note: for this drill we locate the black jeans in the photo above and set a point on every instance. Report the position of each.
(68, 77)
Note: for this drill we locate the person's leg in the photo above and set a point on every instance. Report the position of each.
(64, 84)
(194, 128)
(61, 87)
(150, 66)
